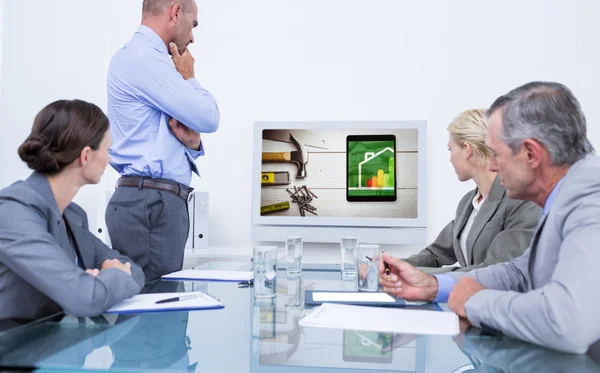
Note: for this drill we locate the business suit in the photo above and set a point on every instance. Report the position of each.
(501, 231)
(38, 272)
(548, 295)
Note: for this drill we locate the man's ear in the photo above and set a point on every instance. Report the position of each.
(176, 12)
(534, 152)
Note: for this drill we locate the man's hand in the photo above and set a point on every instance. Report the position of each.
(462, 291)
(116, 263)
(184, 63)
(93, 272)
(406, 281)
(464, 325)
(186, 136)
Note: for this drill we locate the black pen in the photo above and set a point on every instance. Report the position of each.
(246, 283)
(177, 299)
(387, 267)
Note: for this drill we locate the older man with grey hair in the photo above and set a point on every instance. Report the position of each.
(537, 135)
(157, 111)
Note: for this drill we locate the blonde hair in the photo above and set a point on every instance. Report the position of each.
(470, 127)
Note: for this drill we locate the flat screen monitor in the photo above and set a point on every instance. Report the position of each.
(342, 174)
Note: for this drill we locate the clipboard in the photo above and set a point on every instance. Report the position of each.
(359, 298)
(144, 303)
(401, 320)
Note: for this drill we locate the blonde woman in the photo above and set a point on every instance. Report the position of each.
(488, 227)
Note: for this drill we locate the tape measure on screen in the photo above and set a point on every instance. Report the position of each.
(274, 207)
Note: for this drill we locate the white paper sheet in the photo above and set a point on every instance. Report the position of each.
(147, 303)
(214, 275)
(353, 297)
(382, 319)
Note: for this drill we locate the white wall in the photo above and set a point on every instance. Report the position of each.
(309, 60)
(1, 38)
(588, 58)
(52, 50)
(356, 60)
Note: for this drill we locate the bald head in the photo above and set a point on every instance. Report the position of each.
(172, 20)
(158, 7)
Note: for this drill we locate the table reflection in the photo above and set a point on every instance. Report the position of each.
(158, 340)
(492, 354)
(278, 340)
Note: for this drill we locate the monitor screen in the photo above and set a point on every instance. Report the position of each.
(315, 175)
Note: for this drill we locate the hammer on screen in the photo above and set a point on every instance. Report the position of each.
(298, 157)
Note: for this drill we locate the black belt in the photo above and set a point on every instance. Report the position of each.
(179, 189)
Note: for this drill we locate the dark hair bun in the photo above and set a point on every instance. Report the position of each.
(39, 157)
(60, 132)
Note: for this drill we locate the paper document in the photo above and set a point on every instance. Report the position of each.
(210, 275)
(382, 319)
(353, 297)
(147, 303)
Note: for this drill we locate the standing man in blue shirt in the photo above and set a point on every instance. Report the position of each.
(538, 139)
(157, 111)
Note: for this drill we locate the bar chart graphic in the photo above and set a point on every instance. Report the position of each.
(380, 180)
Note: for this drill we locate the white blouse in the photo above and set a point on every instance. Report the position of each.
(465, 232)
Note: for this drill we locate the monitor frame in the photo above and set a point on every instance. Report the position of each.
(320, 221)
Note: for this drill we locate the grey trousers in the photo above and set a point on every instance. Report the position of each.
(150, 227)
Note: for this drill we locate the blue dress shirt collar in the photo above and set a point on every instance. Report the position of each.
(551, 198)
(155, 41)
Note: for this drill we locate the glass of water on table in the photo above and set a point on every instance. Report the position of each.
(368, 261)
(265, 272)
(349, 246)
(293, 255)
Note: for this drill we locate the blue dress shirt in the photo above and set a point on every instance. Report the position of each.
(447, 282)
(144, 92)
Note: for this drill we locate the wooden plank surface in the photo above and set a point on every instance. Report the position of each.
(332, 203)
(326, 175)
(335, 140)
(328, 170)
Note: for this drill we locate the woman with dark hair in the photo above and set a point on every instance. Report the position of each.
(49, 260)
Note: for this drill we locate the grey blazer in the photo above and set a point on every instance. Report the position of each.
(501, 231)
(38, 272)
(549, 295)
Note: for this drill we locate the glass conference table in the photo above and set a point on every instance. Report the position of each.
(248, 337)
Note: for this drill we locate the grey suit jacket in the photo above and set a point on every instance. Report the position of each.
(549, 295)
(501, 231)
(38, 273)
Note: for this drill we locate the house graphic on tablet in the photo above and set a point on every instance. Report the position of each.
(376, 171)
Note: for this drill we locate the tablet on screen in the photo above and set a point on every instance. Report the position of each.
(371, 168)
